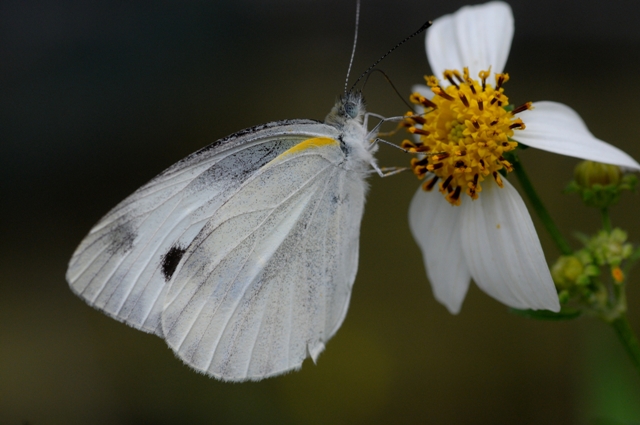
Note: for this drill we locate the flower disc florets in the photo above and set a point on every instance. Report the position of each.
(464, 132)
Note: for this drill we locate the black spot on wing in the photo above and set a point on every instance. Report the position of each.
(170, 261)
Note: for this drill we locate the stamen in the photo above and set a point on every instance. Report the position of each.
(420, 99)
(413, 148)
(505, 163)
(408, 145)
(475, 123)
(423, 148)
(525, 107)
(436, 166)
(418, 119)
(459, 164)
(415, 162)
(440, 157)
(501, 79)
(440, 92)
(445, 184)
(454, 197)
(448, 74)
(416, 97)
(518, 124)
(428, 104)
(483, 76)
(498, 179)
(415, 130)
(463, 98)
(472, 187)
(432, 81)
(465, 73)
(428, 185)
(480, 105)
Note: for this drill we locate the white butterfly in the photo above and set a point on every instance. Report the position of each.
(241, 256)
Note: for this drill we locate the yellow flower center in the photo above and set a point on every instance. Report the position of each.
(464, 132)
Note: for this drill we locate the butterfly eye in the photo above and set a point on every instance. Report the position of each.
(351, 109)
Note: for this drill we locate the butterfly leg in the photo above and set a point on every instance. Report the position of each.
(374, 130)
(371, 114)
(379, 140)
(386, 171)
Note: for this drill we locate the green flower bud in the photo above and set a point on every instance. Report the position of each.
(610, 248)
(566, 271)
(599, 185)
(589, 173)
(584, 255)
(591, 270)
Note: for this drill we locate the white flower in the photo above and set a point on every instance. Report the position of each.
(488, 236)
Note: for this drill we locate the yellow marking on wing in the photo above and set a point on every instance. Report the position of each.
(315, 142)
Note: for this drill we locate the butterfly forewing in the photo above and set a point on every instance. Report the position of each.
(123, 266)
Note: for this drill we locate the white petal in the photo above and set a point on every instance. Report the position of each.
(475, 36)
(503, 251)
(435, 226)
(557, 128)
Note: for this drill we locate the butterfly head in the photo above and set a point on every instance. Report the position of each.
(348, 107)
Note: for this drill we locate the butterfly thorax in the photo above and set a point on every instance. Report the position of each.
(347, 116)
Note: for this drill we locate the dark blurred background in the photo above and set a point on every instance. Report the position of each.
(96, 97)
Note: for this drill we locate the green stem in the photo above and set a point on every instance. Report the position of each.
(540, 209)
(628, 339)
(606, 219)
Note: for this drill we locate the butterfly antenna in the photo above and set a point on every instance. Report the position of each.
(353, 51)
(422, 28)
(390, 83)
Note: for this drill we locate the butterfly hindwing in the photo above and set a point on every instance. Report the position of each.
(267, 281)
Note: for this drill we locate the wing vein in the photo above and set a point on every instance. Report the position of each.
(239, 242)
(323, 189)
(235, 307)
